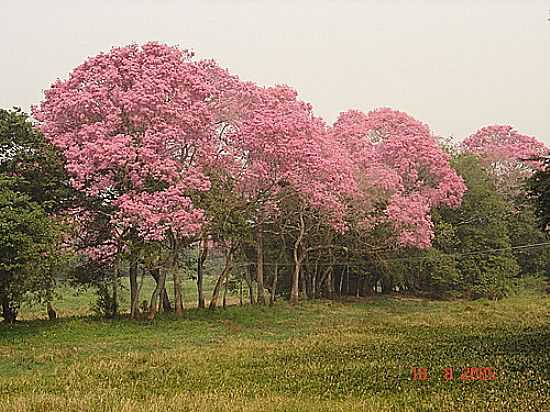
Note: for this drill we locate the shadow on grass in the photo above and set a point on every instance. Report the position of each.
(232, 319)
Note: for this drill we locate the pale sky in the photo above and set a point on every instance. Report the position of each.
(456, 65)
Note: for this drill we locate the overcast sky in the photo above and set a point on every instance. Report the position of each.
(456, 65)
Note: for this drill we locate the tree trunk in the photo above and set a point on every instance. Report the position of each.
(248, 279)
(272, 298)
(367, 288)
(323, 280)
(294, 294)
(155, 304)
(387, 285)
(9, 313)
(260, 265)
(295, 279)
(166, 305)
(220, 281)
(330, 284)
(114, 303)
(303, 282)
(52, 314)
(134, 289)
(178, 296)
(144, 303)
(241, 290)
(313, 289)
(203, 254)
(225, 287)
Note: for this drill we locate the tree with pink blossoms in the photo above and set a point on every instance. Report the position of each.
(281, 149)
(511, 159)
(401, 171)
(134, 125)
(509, 156)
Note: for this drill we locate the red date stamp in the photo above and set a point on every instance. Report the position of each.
(464, 374)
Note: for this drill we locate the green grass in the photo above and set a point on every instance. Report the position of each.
(319, 356)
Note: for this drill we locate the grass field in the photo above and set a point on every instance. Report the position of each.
(319, 356)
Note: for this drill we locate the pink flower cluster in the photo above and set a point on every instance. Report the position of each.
(131, 124)
(505, 151)
(279, 143)
(399, 163)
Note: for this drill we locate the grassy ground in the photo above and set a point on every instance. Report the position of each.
(322, 356)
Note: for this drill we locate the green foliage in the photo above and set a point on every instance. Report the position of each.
(443, 276)
(480, 225)
(228, 215)
(539, 191)
(32, 184)
(27, 255)
(91, 275)
(471, 255)
(538, 187)
(105, 305)
(35, 165)
(523, 229)
(536, 285)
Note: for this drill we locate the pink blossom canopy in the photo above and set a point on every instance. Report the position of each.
(399, 163)
(132, 124)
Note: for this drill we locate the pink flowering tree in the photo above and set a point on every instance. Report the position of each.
(509, 156)
(279, 149)
(134, 126)
(401, 171)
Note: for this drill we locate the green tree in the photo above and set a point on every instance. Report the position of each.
(479, 225)
(524, 230)
(538, 187)
(27, 239)
(34, 186)
(538, 190)
(35, 165)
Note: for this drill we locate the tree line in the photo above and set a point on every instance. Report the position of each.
(145, 156)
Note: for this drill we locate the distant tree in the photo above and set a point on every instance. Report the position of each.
(509, 156)
(524, 229)
(510, 159)
(538, 187)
